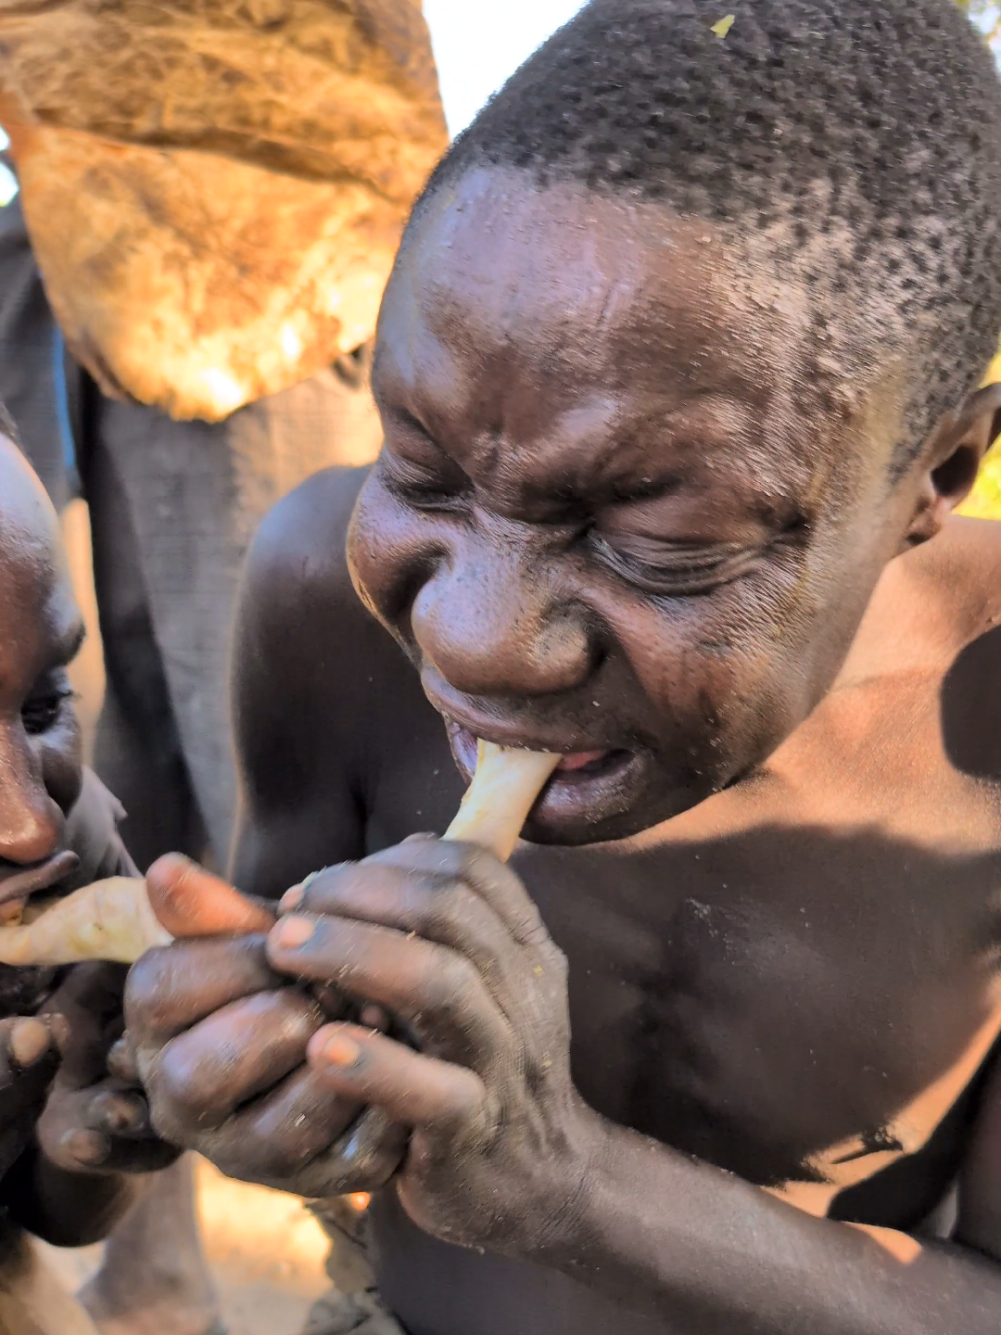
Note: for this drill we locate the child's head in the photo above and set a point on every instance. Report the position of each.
(677, 354)
(40, 632)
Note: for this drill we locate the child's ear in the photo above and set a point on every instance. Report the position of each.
(952, 459)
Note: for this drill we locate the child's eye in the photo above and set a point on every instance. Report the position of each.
(674, 569)
(43, 712)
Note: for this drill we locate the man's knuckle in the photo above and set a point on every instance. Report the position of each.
(449, 977)
(182, 1086)
(439, 908)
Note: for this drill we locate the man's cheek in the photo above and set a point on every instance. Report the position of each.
(390, 554)
(62, 764)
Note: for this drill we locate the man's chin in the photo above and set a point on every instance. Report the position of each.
(576, 824)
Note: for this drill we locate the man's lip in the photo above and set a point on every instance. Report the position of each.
(563, 742)
(574, 763)
(43, 876)
(573, 760)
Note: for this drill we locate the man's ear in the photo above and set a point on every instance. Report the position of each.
(952, 460)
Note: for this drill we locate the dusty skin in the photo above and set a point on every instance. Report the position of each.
(621, 516)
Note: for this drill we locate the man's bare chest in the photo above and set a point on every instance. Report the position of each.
(779, 974)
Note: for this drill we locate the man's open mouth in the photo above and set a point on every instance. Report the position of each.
(17, 886)
(587, 786)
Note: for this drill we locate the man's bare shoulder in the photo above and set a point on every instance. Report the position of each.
(298, 552)
(300, 625)
(932, 603)
(962, 569)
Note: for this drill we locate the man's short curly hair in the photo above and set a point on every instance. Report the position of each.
(876, 122)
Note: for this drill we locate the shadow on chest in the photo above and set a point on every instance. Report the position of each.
(755, 1000)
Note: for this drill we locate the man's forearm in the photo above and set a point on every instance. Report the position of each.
(66, 1209)
(707, 1253)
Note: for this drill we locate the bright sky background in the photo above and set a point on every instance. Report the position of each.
(479, 43)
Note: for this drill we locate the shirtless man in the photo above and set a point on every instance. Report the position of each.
(677, 371)
(72, 1138)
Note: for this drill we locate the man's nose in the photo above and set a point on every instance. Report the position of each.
(491, 626)
(30, 821)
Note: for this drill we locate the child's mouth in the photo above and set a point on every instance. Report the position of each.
(586, 785)
(16, 887)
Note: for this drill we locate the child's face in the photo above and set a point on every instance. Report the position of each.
(621, 509)
(40, 631)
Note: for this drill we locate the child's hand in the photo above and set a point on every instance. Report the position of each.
(94, 1121)
(29, 1059)
(220, 1043)
(446, 938)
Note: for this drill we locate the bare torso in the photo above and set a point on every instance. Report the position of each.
(794, 980)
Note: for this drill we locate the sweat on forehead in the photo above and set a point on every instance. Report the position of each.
(861, 142)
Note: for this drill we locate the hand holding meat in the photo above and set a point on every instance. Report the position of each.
(445, 937)
(269, 1116)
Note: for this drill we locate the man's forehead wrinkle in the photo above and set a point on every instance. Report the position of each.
(524, 310)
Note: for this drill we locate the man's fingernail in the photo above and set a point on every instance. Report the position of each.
(340, 1050)
(29, 1040)
(291, 899)
(87, 1147)
(293, 932)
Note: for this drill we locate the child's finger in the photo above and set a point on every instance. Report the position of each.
(29, 1048)
(190, 901)
(83, 1147)
(122, 1061)
(28, 1041)
(94, 1151)
(413, 1090)
(119, 1112)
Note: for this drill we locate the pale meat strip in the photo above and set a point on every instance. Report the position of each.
(113, 919)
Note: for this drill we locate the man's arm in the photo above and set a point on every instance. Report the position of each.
(300, 710)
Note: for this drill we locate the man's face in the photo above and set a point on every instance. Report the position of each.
(40, 631)
(623, 511)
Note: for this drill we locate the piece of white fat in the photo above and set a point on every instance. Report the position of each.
(505, 787)
(108, 920)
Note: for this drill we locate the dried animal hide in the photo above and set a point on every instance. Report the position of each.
(215, 192)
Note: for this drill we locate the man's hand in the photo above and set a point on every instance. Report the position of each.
(93, 1121)
(446, 938)
(29, 1059)
(220, 1042)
